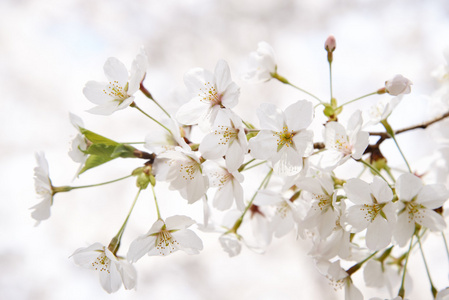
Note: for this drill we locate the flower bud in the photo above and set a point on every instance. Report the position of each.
(330, 44)
(398, 85)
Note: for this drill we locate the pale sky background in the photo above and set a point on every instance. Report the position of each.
(50, 49)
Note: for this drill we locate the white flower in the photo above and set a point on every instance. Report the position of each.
(44, 189)
(262, 63)
(373, 210)
(286, 213)
(165, 238)
(229, 186)
(398, 85)
(118, 92)
(339, 279)
(79, 144)
(230, 244)
(382, 110)
(323, 214)
(284, 139)
(112, 270)
(417, 203)
(160, 140)
(210, 93)
(341, 143)
(183, 170)
(226, 139)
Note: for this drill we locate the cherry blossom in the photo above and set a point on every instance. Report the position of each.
(210, 93)
(416, 205)
(228, 184)
(113, 271)
(184, 172)
(118, 92)
(262, 64)
(227, 139)
(283, 139)
(341, 143)
(44, 189)
(166, 237)
(398, 85)
(373, 210)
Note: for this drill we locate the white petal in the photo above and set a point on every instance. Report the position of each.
(433, 196)
(222, 75)
(234, 156)
(188, 241)
(404, 229)
(357, 217)
(94, 92)
(86, 255)
(270, 117)
(191, 112)
(111, 281)
(289, 163)
(381, 190)
(358, 191)
(178, 222)
(362, 141)
(128, 274)
(299, 115)
(263, 145)
(230, 96)
(408, 186)
(115, 70)
(378, 234)
(140, 246)
(430, 219)
(213, 146)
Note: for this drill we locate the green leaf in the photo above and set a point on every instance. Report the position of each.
(94, 161)
(96, 138)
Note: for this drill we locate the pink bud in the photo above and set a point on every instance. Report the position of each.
(330, 44)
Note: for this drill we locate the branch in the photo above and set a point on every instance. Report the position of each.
(384, 135)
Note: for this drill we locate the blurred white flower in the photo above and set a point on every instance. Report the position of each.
(79, 144)
(262, 63)
(44, 189)
(210, 93)
(165, 238)
(398, 85)
(382, 110)
(113, 271)
(230, 244)
(118, 92)
(283, 139)
(416, 204)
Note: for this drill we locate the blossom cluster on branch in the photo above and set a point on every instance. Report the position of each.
(370, 221)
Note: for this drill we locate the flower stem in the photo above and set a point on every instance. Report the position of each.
(445, 244)
(239, 221)
(356, 99)
(159, 123)
(285, 81)
(149, 96)
(155, 201)
(114, 245)
(92, 185)
(373, 169)
(401, 292)
(391, 133)
(253, 166)
(432, 287)
(330, 79)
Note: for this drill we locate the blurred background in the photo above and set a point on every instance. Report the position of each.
(49, 49)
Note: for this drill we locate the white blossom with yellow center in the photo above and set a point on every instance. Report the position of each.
(210, 93)
(166, 237)
(283, 138)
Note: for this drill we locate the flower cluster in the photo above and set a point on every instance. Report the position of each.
(369, 219)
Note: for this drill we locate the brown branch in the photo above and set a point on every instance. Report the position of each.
(384, 135)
